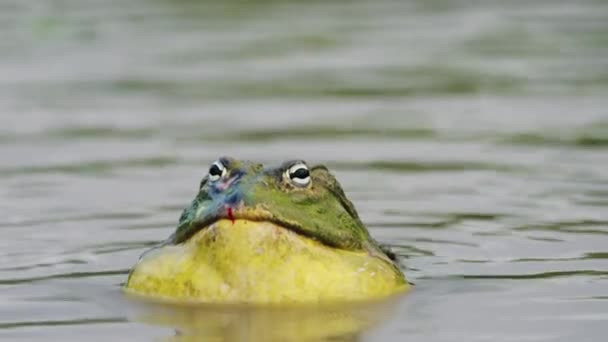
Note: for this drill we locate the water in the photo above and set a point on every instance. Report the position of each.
(471, 135)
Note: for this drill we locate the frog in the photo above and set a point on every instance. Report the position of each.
(270, 234)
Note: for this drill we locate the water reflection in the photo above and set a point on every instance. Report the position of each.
(240, 322)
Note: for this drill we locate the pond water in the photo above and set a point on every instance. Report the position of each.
(472, 136)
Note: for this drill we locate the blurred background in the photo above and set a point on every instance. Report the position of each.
(471, 135)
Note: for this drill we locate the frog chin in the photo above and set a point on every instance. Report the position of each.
(263, 262)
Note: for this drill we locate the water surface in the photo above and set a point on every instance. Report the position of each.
(471, 135)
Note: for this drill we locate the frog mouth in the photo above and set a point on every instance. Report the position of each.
(186, 232)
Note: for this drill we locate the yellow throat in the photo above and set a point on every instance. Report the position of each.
(259, 262)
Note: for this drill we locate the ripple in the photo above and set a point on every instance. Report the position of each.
(590, 136)
(407, 251)
(447, 242)
(319, 132)
(72, 275)
(544, 239)
(80, 321)
(577, 227)
(120, 216)
(91, 168)
(536, 139)
(115, 247)
(403, 166)
(41, 265)
(412, 224)
(596, 255)
(586, 256)
(152, 225)
(384, 82)
(97, 132)
(474, 261)
(82, 133)
(542, 275)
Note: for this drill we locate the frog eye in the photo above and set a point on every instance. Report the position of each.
(299, 174)
(216, 171)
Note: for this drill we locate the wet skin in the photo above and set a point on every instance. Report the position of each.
(268, 234)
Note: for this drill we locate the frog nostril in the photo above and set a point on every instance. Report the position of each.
(223, 185)
(232, 198)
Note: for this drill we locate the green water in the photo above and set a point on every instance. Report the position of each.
(472, 136)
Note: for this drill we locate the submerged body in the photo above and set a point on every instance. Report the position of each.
(268, 235)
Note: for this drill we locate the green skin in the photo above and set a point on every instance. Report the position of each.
(319, 210)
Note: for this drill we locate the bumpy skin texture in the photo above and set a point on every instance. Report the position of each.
(264, 194)
(317, 217)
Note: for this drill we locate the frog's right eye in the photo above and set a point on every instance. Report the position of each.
(299, 174)
(216, 171)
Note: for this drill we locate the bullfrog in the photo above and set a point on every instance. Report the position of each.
(268, 234)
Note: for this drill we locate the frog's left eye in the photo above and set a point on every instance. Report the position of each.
(299, 174)
(216, 171)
